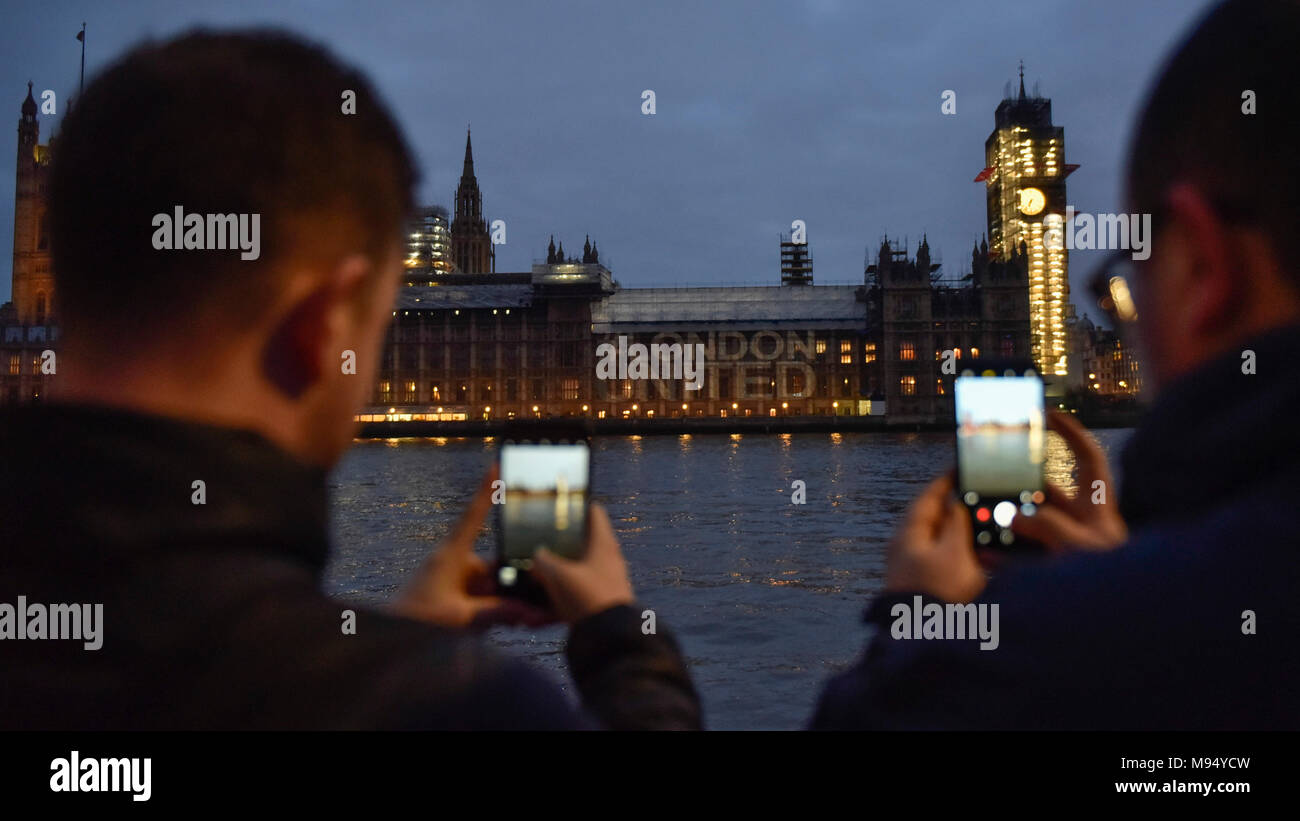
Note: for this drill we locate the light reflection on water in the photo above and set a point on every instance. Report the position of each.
(764, 595)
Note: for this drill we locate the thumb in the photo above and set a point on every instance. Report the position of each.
(928, 511)
(955, 529)
(552, 572)
(600, 532)
(548, 565)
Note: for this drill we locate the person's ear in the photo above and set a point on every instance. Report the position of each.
(1211, 284)
(302, 345)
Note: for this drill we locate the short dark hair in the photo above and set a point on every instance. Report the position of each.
(1193, 128)
(245, 122)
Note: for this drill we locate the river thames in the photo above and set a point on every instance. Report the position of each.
(765, 596)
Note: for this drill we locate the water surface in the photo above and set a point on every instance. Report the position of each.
(765, 596)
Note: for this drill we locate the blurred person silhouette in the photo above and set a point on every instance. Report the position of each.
(1176, 607)
(180, 366)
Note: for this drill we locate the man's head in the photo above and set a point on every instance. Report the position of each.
(1223, 187)
(241, 123)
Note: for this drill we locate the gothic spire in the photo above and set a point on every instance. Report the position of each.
(469, 151)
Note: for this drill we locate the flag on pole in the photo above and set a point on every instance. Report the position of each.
(81, 35)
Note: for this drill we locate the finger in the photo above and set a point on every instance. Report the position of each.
(601, 540)
(1051, 527)
(955, 529)
(480, 580)
(466, 529)
(548, 565)
(551, 571)
(1089, 455)
(1054, 495)
(929, 509)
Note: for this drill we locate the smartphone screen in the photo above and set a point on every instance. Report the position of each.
(1001, 443)
(546, 492)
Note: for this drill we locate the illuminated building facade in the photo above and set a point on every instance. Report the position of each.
(915, 315)
(428, 246)
(33, 278)
(1024, 175)
(526, 345)
(496, 346)
(765, 351)
(1108, 368)
(27, 324)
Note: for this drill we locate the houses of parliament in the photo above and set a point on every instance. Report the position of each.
(469, 342)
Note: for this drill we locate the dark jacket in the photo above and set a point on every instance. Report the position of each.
(213, 615)
(1151, 635)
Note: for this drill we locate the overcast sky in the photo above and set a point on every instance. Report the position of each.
(826, 111)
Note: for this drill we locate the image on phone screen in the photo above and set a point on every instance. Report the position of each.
(1000, 435)
(545, 499)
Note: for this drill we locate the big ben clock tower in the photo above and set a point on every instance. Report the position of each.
(1024, 175)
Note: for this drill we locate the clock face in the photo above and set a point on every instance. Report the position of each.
(1032, 201)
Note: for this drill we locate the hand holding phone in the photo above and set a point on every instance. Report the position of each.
(1001, 447)
(1088, 520)
(546, 471)
(597, 582)
(453, 587)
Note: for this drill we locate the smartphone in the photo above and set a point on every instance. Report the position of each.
(1001, 446)
(546, 474)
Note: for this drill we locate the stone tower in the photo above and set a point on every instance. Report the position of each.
(33, 278)
(471, 245)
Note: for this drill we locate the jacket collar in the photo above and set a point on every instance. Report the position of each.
(1216, 432)
(83, 476)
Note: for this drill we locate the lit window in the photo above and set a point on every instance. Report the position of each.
(570, 389)
(821, 346)
(906, 351)
(908, 385)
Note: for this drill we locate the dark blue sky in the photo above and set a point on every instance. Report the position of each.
(826, 111)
